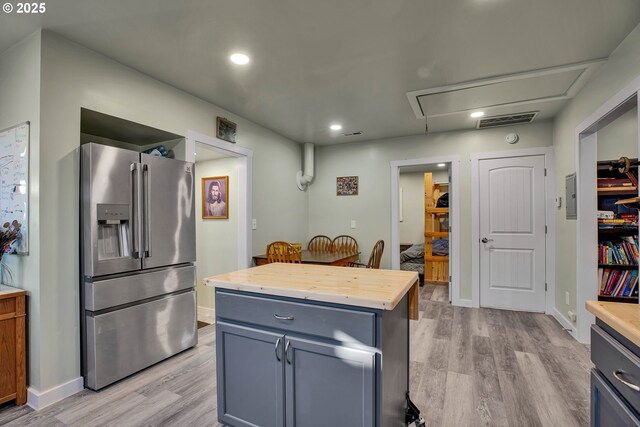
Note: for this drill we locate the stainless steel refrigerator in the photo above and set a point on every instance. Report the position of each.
(138, 301)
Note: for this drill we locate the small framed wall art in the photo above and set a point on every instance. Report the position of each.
(215, 197)
(347, 186)
(225, 129)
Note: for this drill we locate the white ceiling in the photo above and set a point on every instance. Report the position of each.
(352, 61)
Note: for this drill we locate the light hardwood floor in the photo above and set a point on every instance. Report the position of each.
(468, 367)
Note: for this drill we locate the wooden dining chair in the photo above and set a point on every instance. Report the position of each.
(344, 244)
(320, 243)
(374, 259)
(283, 252)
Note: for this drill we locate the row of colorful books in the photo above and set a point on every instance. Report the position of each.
(618, 283)
(624, 252)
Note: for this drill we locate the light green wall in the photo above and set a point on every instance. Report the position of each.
(411, 228)
(75, 77)
(331, 215)
(217, 239)
(621, 68)
(619, 138)
(20, 102)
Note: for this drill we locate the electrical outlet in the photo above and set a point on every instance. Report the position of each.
(254, 224)
(566, 298)
(572, 316)
(354, 224)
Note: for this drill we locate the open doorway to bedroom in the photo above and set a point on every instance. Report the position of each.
(424, 227)
(425, 224)
(223, 192)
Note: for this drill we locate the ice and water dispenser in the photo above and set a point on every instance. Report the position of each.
(113, 231)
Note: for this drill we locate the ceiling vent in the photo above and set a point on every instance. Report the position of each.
(508, 119)
(352, 133)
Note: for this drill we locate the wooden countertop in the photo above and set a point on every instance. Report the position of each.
(381, 289)
(624, 318)
(8, 291)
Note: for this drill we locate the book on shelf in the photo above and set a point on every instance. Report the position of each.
(614, 182)
(618, 283)
(624, 252)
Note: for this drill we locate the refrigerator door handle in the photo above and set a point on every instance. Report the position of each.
(146, 213)
(135, 253)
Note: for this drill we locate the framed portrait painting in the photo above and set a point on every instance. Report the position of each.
(215, 197)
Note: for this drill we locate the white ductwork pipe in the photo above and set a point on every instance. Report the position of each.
(304, 179)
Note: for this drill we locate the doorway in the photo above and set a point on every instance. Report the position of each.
(408, 213)
(223, 234)
(512, 230)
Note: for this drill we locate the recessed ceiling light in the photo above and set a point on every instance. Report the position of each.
(441, 165)
(239, 58)
(335, 127)
(477, 114)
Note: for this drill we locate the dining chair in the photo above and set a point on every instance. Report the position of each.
(374, 259)
(320, 243)
(283, 252)
(344, 244)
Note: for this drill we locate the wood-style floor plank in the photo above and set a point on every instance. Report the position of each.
(458, 404)
(469, 367)
(550, 405)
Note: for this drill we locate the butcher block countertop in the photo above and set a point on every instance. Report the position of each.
(361, 287)
(622, 317)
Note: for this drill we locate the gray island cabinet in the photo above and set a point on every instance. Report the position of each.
(306, 345)
(615, 353)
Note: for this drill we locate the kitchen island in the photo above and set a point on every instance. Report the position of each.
(307, 345)
(615, 352)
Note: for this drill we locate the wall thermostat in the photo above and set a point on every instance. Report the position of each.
(512, 138)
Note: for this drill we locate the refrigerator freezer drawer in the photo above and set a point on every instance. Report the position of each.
(122, 342)
(108, 293)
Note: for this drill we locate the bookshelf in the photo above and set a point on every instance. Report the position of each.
(617, 231)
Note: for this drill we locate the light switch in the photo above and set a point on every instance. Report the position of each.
(354, 224)
(254, 224)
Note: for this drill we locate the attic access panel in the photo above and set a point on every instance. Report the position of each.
(522, 90)
(502, 93)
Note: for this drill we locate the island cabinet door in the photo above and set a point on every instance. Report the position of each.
(250, 375)
(328, 385)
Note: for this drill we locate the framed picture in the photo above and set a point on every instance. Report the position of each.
(215, 197)
(347, 186)
(225, 129)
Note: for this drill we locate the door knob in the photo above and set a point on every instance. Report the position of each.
(485, 240)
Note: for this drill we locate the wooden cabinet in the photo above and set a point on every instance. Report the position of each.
(250, 376)
(615, 378)
(13, 384)
(285, 362)
(328, 385)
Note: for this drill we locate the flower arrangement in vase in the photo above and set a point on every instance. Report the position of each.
(10, 237)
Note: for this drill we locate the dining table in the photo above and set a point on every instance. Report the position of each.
(317, 258)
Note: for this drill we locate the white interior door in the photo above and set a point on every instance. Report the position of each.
(512, 233)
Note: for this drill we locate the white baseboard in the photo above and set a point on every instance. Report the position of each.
(565, 323)
(41, 399)
(462, 302)
(206, 312)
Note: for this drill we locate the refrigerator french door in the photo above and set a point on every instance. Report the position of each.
(138, 303)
